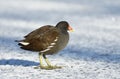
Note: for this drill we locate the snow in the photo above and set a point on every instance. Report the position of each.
(93, 51)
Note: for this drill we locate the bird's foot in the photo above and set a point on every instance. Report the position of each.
(37, 67)
(48, 67)
(53, 67)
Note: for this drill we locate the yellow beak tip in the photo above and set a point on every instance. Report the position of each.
(71, 30)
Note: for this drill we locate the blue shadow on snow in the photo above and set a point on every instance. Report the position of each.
(18, 62)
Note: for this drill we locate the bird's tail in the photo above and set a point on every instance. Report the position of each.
(18, 40)
(22, 42)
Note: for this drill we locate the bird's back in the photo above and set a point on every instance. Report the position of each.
(39, 39)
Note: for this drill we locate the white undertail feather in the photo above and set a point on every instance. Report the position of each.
(24, 43)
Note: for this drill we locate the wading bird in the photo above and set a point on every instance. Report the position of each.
(47, 40)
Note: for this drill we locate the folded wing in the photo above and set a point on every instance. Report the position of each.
(39, 39)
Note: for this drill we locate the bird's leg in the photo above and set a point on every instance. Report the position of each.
(40, 59)
(49, 64)
(46, 60)
(41, 62)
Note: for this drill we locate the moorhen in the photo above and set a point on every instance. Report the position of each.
(47, 40)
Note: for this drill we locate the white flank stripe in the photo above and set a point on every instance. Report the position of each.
(45, 50)
(56, 39)
(24, 43)
(53, 44)
(49, 47)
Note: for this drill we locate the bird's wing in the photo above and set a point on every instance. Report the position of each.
(39, 31)
(40, 39)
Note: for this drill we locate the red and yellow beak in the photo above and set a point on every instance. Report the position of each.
(70, 29)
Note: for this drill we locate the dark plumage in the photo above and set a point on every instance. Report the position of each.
(47, 40)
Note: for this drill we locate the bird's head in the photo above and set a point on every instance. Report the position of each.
(63, 25)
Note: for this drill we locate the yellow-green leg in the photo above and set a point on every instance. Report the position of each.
(41, 62)
(42, 66)
(50, 66)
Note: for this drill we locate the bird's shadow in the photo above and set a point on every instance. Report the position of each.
(18, 62)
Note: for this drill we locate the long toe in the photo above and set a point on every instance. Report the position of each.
(50, 67)
(42, 67)
(37, 67)
(54, 67)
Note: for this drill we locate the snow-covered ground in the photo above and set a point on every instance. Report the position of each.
(93, 51)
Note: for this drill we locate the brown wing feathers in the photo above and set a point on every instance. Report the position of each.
(39, 39)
